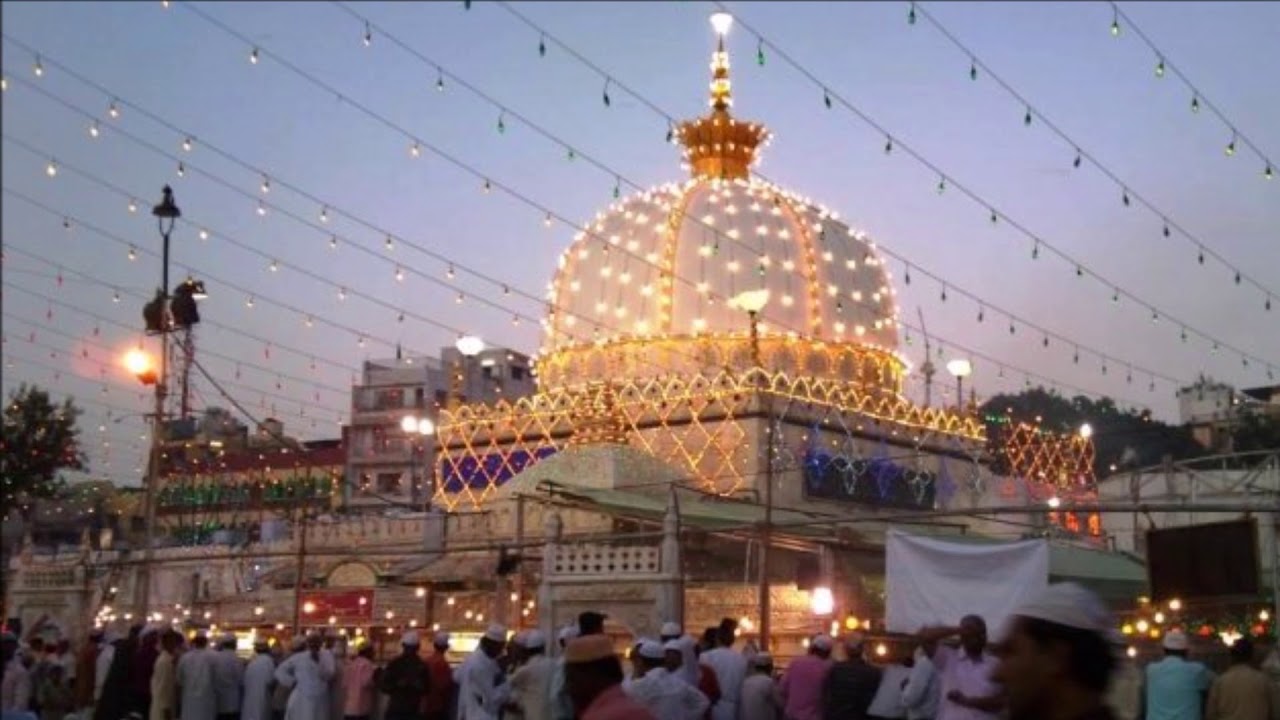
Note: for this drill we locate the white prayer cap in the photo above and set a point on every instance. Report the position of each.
(1176, 640)
(228, 638)
(567, 633)
(441, 639)
(534, 639)
(762, 659)
(149, 629)
(1068, 604)
(112, 635)
(651, 650)
(854, 640)
(496, 633)
(823, 642)
(410, 639)
(670, 630)
(674, 645)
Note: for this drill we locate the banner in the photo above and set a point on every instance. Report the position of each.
(929, 581)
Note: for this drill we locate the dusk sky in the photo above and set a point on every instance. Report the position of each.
(62, 328)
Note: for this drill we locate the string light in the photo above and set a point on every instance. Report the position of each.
(605, 94)
(249, 302)
(133, 253)
(187, 144)
(253, 56)
(826, 98)
(546, 221)
(973, 69)
(38, 67)
(888, 145)
(204, 234)
(342, 293)
(389, 244)
(439, 79)
(262, 209)
(51, 169)
(415, 149)
(93, 129)
(1115, 23)
(760, 51)
(1026, 119)
(1230, 149)
(265, 187)
(274, 267)
(542, 46)
(333, 242)
(4, 83)
(1267, 172)
(911, 15)
(942, 184)
(182, 170)
(113, 110)
(1195, 103)
(399, 274)
(502, 122)
(324, 214)
(1160, 67)
(368, 34)
(449, 272)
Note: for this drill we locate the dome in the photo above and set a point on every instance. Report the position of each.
(649, 286)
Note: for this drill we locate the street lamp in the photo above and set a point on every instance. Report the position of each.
(1086, 431)
(141, 366)
(418, 429)
(961, 369)
(166, 214)
(468, 346)
(754, 301)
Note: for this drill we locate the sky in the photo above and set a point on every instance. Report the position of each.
(324, 115)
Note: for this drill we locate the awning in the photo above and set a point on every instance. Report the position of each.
(449, 568)
(700, 511)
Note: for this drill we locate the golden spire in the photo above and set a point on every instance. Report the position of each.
(716, 145)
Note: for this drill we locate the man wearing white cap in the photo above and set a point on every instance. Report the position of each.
(1056, 656)
(194, 679)
(561, 703)
(688, 670)
(665, 695)
(439, 703)
(1176, 687)
(308, 673)
(258, 677)
(477, 678)
(228, 675)
(801, 688)
(759, 691)
(405, 680)
(529, 687)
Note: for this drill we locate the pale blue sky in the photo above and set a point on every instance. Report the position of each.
(1100, 89)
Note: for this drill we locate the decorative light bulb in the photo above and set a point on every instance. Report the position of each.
(1026, 119)
(502, 122)
(133, 253)
(542, 46)
(1230, 149)
(1115, 25)
(888, 145)
(182, 170)
(187, 144)
(253, 56)
(546, 222)
(439, 80)
(399, 274)
(38, 68)
(486, 187)
(911, 15)
(324, 214)
(274, 267)
(368, 34)
(204, 234)
(826, 98)
(459, 299)
(604, 96)
(249, 302)
(389, 244)
(113, 110)
(1160, 68)
(1267, 172)
(1195, 103)
(333, 242)
(342, 293)
(449, 272)
(308, 322)
(93, 129)
(51, 169)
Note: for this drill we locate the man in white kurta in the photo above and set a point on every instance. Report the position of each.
(194, 676)
(477, 678)
(228, 675)
(106, 656)
(730, 668)
(308, 673)
(530, 685)
(663, 693)
(259, 676)
(164, 698)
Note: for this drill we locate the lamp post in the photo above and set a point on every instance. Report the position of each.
(961, 369)
(753, 301)
(468, 346)
(166, 214)
(418, 429)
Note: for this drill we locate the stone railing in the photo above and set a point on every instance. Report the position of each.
(609, 560)
(52, 579)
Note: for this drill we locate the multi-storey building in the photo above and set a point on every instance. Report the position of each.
(386, 464)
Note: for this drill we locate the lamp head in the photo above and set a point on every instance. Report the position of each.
(469, 345)
(752, 301)
(1086, 431)
(167, 209)
(426, 427)
(409, 424)
(960, 367)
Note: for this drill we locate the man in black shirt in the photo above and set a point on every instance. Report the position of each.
(851, 684)
(405, 681)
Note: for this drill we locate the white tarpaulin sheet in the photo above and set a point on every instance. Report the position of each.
(935, 582)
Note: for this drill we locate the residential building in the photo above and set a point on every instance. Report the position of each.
(387, 465)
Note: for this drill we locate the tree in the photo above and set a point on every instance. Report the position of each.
(1122, 439)
(40, 441)
(1256, 431)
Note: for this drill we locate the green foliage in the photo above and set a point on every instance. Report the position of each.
(1122, 438)
(40, 441)
(1256, 431)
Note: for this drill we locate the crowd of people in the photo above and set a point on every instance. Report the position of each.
(1057, 659)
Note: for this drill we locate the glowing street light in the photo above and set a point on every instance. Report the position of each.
(141, 365)
(1086, 431)
(823, 602)
(721, 22)
(961, 369)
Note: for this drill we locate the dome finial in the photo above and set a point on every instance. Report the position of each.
(721, 96)
(716, 145)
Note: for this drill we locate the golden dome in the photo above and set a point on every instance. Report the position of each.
(645, 289)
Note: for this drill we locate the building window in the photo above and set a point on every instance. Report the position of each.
(390, 399)
(517, 372)
(419, 397)
(442, 398)
(389, 483)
